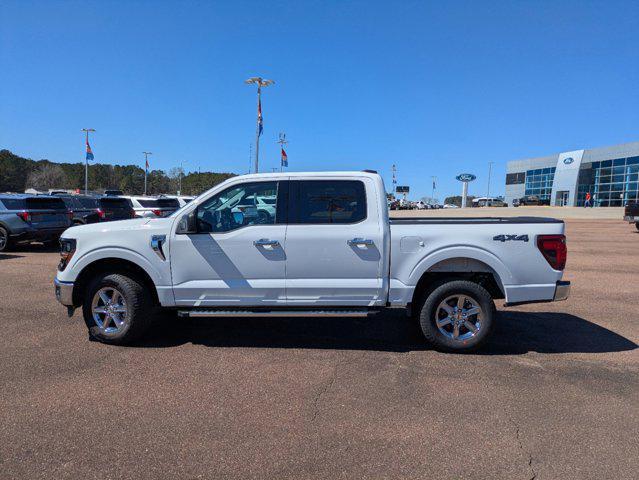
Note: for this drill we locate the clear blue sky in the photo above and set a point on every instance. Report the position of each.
(438, 88)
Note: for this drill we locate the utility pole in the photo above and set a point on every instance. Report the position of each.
(86, 160)
(432, 196)
(182, 162)
(490, 171)
(260, 82)
(282, 141)
(146, 168)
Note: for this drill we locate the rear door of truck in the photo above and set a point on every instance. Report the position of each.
(334, 243)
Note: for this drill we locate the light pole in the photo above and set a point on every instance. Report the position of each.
(86, 160)
(260, 82)
(146, 168)
(180, 175)
(490, 171)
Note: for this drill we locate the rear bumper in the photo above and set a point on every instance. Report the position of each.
(561, 292)
(38, 234)
(63, 292)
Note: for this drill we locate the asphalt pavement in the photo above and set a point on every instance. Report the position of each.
(554, 395)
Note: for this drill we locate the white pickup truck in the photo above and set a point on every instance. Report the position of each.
(326, 247)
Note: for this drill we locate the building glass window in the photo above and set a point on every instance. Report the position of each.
(613, 183)
(539, 182)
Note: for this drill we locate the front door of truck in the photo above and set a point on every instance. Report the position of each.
(237, 257)
(334, 244)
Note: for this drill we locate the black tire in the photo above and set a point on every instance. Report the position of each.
(428, 311)
(637, 225)
(5, 240)
(140, 308)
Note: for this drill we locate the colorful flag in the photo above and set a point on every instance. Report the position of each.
(260, 125)
(284, 159)
(147, 163)
(89, 152)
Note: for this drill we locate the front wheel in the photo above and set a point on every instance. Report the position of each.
(117, 309)
(457, 316)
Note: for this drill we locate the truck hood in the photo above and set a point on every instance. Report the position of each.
(119, 227)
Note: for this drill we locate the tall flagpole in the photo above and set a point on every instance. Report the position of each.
(146, 168)
(86, 160)
(260, 82)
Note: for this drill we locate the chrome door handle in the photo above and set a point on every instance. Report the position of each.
(265, 242)
(360, 241)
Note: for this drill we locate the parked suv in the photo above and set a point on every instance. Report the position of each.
(87, 209)
(150, 207)
(27, 218)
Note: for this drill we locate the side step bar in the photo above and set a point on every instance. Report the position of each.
(201, 313)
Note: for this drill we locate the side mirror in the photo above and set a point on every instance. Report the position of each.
(187, 224)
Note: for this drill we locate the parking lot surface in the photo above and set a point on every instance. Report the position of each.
(554, 395)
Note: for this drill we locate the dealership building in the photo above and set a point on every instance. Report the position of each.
(610, 174)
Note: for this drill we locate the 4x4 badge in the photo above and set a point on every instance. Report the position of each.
(506, 238)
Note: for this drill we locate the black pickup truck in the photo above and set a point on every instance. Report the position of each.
(631, 213)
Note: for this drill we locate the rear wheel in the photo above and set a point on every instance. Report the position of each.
(117, 309)
(5, 241)
(457, 316)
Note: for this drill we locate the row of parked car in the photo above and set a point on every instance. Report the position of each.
(410, 205)
(26, 218)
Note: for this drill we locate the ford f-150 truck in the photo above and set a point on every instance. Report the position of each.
(327, 248)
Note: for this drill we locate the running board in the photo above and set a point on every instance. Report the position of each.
(201, 313)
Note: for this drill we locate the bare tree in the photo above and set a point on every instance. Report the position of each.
(47, 176)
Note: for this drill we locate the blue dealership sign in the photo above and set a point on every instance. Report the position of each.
(465, 177)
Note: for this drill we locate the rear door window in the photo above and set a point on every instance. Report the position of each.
(328, 201)
(14, 203)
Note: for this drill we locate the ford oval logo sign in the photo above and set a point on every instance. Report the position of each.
(568, 160)
(465, 177)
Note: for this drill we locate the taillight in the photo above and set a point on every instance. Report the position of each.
(553, 248)
(26, 216)
(157, 213)
(70, 215)
(101, 213)
(132, 213)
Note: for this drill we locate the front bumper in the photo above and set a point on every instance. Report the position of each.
(630, 219)
(63, 292)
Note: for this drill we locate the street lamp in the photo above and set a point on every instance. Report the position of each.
(260, 82)
(86, 160)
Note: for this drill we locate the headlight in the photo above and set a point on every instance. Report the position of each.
(67, 249)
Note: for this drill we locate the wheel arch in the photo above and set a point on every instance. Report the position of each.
(459, 268)
(112, 265)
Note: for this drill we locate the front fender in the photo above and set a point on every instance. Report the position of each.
(75, 268)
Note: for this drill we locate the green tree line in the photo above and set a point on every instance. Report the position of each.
(18, 173)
